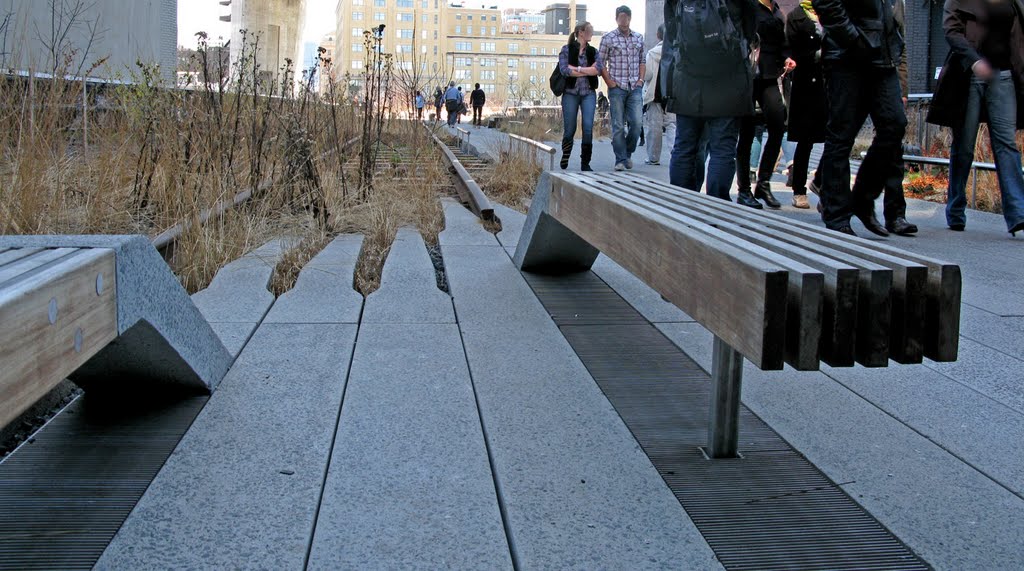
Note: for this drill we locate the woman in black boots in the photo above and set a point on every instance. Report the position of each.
(808, 111)
(773, 61)
(580, 63)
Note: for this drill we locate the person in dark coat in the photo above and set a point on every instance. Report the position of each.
(478, 98)
(808, 108)
(708, 98)
(983, 81)
(773, 62)
(861, 48)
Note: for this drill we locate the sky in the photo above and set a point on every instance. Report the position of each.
(203, 15)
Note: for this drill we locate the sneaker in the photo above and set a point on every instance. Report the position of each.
(800, 201)
(620, 166)
(650, 162)
(629, 164)
(957, 227)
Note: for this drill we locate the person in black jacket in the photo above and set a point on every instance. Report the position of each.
(861, 50)
(773, 62)
(708, 91)
(581, 64)
(477, 99)
(808, 109)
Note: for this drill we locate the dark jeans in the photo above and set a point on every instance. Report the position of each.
(697, 137)
(855, 92)
(801, 164)
(1000, 101)
(572, 106)
(452, 107)
(766, 92)
(478, 113)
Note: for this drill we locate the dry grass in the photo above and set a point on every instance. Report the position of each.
(513, 179)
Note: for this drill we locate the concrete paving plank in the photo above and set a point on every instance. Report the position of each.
(242, 487)
(462, 227)
(409, 486)
(1004, 334)
(324, 292)
(238, 293)
(511, 225)
(949, 513)
(408, 288)
(579, 493)
(987, 371)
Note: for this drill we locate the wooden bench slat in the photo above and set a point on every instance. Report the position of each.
(10, 255)
(804, 295)
(918, 283)
(27, 264)
(841, 280)
(687, 266)
(37, 354)
(869, 344)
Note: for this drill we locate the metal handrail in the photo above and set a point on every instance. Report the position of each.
(944, 161)
(538, 145)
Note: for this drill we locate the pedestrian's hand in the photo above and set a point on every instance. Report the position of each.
(982, 69)
(790, 64)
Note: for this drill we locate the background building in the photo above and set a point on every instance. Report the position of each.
(434, 43)
(522, 21)
(274, 27)
(122, 31)
(557, 19)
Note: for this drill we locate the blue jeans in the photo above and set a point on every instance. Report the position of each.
(721, 135)
(1000, 100)
(626, 108)
(573, 104)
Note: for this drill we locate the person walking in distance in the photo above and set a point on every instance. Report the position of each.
(772, 63)
(861, 49)
(419, 102)
(462, 106)
(580, 63)
(711, 86)
(983, 78)
(808, 110)
(622, 52)
(658, 119)
(452, 99)
(438, 103)
(477, 98)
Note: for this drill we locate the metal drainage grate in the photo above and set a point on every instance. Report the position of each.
(772, 509)
(66, 492)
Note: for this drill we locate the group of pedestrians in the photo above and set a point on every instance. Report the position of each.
(814, 76)
(453, 101)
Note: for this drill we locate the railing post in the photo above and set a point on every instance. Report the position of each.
(974, 188)
(723, 423)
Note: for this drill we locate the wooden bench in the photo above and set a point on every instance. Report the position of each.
(770, 289)
(104, 311)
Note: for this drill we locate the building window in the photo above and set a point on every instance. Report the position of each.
(405, 65)
(513, 75)
(423, 34)
(533, 79)
(469, 30)
(404, 3)
(423, 18)
(462, 74)
(533, 51)
(463, 61)
(458, 29)
(435, 50)
(378, 3)
(469, 16)
(458, 16)
(357, 15)
(463, 46)
(494, 31)
(488, 87)
(487, 62)
(357, 2)
(357, 47)
(435, 34)
(425, 4)
(513, 47)
(494, 18)
(513, 62)
(357, 32)
(379, 16)
(403, 48)
(405, 34)
(488, 74)
(404, 17)
(435, 18)
(533, 65)
(357, 64)
(487, 46)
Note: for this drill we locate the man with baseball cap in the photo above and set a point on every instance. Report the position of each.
(622, 52)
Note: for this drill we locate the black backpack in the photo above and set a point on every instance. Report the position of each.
(706, 36)
(557, 82)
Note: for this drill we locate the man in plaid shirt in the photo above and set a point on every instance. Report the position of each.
(622, 52)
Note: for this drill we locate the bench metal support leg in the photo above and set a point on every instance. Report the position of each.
(727, 377)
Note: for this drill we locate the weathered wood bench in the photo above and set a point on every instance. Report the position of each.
(104, 311)
(770, 289)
